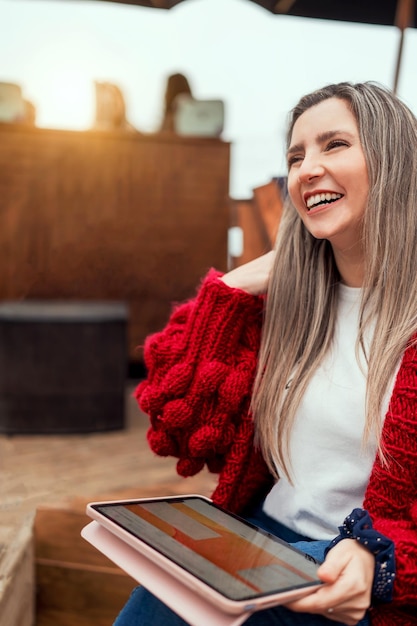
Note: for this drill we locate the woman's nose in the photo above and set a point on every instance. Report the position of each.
(310, 168)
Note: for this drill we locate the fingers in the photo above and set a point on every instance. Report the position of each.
(346, 594)
(347, 616)
(331, 605)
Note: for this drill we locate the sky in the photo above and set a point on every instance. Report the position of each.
(257, 62)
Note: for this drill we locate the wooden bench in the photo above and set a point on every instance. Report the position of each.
(17, 581)
(75, 584)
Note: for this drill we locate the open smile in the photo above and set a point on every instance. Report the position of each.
(320, 199)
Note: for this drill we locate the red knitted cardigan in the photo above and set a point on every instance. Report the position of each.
(201, 369)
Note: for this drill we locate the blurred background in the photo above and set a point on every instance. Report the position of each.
(257, 62)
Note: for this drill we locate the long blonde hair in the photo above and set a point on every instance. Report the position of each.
(302, 297)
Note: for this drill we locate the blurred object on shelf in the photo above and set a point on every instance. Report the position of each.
(13, 107)
(110, 108)
(30, 113)
(200, 118)
(176, 85)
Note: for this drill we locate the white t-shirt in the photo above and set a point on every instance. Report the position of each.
(330, 466)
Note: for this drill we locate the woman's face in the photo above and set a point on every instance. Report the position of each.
(327, 177)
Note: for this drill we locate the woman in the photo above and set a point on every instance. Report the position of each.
(305, 401)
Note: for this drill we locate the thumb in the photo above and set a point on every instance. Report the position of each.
(330, 570)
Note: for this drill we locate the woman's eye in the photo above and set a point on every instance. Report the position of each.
(336, 143)
(292, 160)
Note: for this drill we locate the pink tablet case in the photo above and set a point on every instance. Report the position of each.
(189, 605)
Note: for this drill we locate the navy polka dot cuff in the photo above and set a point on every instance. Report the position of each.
(358, 526)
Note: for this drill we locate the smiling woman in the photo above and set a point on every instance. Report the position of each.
(305, 401)
(328, 182)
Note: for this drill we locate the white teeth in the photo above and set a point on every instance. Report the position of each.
(322, 197)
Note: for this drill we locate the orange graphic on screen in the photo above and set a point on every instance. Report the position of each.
(218, 549)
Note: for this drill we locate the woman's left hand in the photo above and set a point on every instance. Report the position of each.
(348, 572)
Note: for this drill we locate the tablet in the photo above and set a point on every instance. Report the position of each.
(225, 559)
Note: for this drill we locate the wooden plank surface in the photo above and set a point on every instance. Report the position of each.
(72, 577)
(51, 478)
(17, 582)
(38, 470)
(111, 216)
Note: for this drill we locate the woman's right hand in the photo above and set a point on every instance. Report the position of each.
(251, 277)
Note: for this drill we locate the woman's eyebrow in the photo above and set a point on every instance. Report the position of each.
(321, 138)
(298, 147)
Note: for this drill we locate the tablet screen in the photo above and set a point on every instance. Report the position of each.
(237, 559)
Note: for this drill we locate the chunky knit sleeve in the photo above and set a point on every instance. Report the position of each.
(201, 369)
(391, 497)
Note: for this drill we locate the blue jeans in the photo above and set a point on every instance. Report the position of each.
(144, 609)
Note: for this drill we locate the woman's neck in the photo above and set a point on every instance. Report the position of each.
(350, 264)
